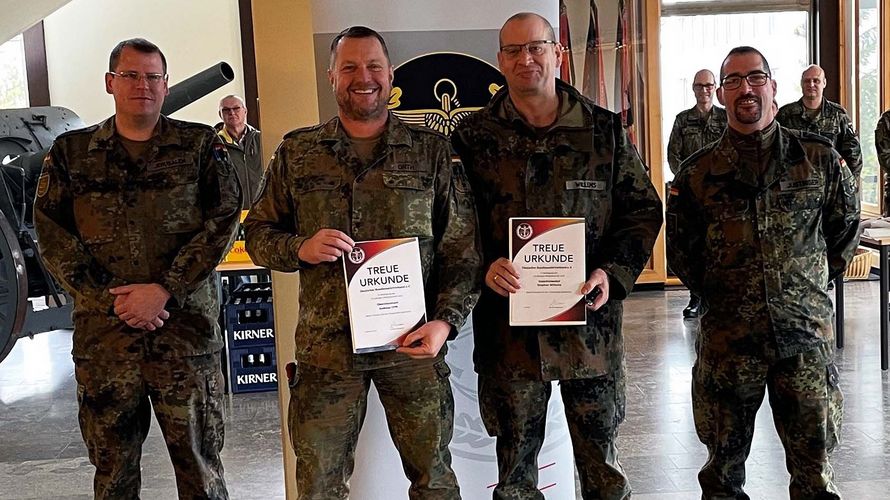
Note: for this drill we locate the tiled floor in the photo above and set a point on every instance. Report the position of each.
(42, 456)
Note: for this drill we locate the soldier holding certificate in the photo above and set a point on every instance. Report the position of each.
(540, 149)
(365, 175)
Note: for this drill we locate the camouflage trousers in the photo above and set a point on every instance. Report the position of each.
(806, 403)
(326, 412)
(116, 398)
(515, 413)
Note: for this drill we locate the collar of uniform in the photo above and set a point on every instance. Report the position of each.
(164, 134)
(571, 114)
(786, 149)
(802, 109)
(396, 133)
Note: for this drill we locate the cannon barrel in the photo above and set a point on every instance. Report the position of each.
(195, 87)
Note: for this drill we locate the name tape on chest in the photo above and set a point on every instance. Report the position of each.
(402, 167)
(584, 184)
(165, 164)
(799, 185)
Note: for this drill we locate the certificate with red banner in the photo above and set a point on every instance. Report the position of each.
(384, 291)
(548, 253)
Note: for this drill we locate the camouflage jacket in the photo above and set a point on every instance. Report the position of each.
(246, 157)
(691, 133)
(104, 220)
(832, 122)
(761, 257)
(882, 145)
(411, 188)
(584, 166)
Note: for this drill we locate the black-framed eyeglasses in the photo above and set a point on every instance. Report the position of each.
(535, 48)
(701, 86)
(236, 109)
(754, 79)
(135, 76)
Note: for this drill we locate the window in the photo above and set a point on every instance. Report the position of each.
(698, 34)
(866, 99)
(14, 84)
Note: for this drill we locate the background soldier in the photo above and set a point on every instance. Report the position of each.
(366, 175)
(813, 113)
(539, 148)
(133, 216)
(243, 143)
(694, 129)
(882, 144)
(775, 214)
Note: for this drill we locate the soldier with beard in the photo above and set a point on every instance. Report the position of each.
(775, 214)
(365, 175)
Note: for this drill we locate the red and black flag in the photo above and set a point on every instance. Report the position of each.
(594, 76)
(567, 68)
(623, 69)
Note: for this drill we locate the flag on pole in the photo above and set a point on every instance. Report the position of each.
(594, 85)
(567, 68)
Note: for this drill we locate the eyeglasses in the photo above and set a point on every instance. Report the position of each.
(230, 110)
(754, 79)
(534, 48)
(701, 86)
(134, 77)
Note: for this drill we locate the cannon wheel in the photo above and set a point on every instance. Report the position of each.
(13, 288)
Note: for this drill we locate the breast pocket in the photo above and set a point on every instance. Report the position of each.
(730, 233)
(320, 204)
(175, 200)
(98, 215)
(411, 198)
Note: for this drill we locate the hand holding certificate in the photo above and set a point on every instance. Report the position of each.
(549, 254)
(384, 292)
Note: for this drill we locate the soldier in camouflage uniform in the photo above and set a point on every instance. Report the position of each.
(882, 144)
(365, 175)
(694, 129)
(813, 113)
(539, 148)
(699, 125)
(133, 215)
(758, 223)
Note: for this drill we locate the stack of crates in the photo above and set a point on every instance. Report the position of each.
(250, 339)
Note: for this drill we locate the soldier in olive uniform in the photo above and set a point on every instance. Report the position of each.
(365, 175)
(694, 129)
(699, 125)
(813, 113)
(539, 148)
(133, 215)
(758, 224)
(882, 144)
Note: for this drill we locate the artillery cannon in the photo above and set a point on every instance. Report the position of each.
(31, 301)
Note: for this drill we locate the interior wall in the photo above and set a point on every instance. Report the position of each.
(193, 36)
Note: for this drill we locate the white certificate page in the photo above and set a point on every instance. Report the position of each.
(549, 254)
(384, 291)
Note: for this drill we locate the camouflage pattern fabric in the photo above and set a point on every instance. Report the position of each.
(582, 167)
(832, 122)
(411, 188)
(882, 145)
(116, 398)
(769, 252)
(691, 133)
(325, 415)
(104, 220)
(515, 411)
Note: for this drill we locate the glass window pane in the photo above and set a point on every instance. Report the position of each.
(691, 43)
(14, 84)
(869, 92)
